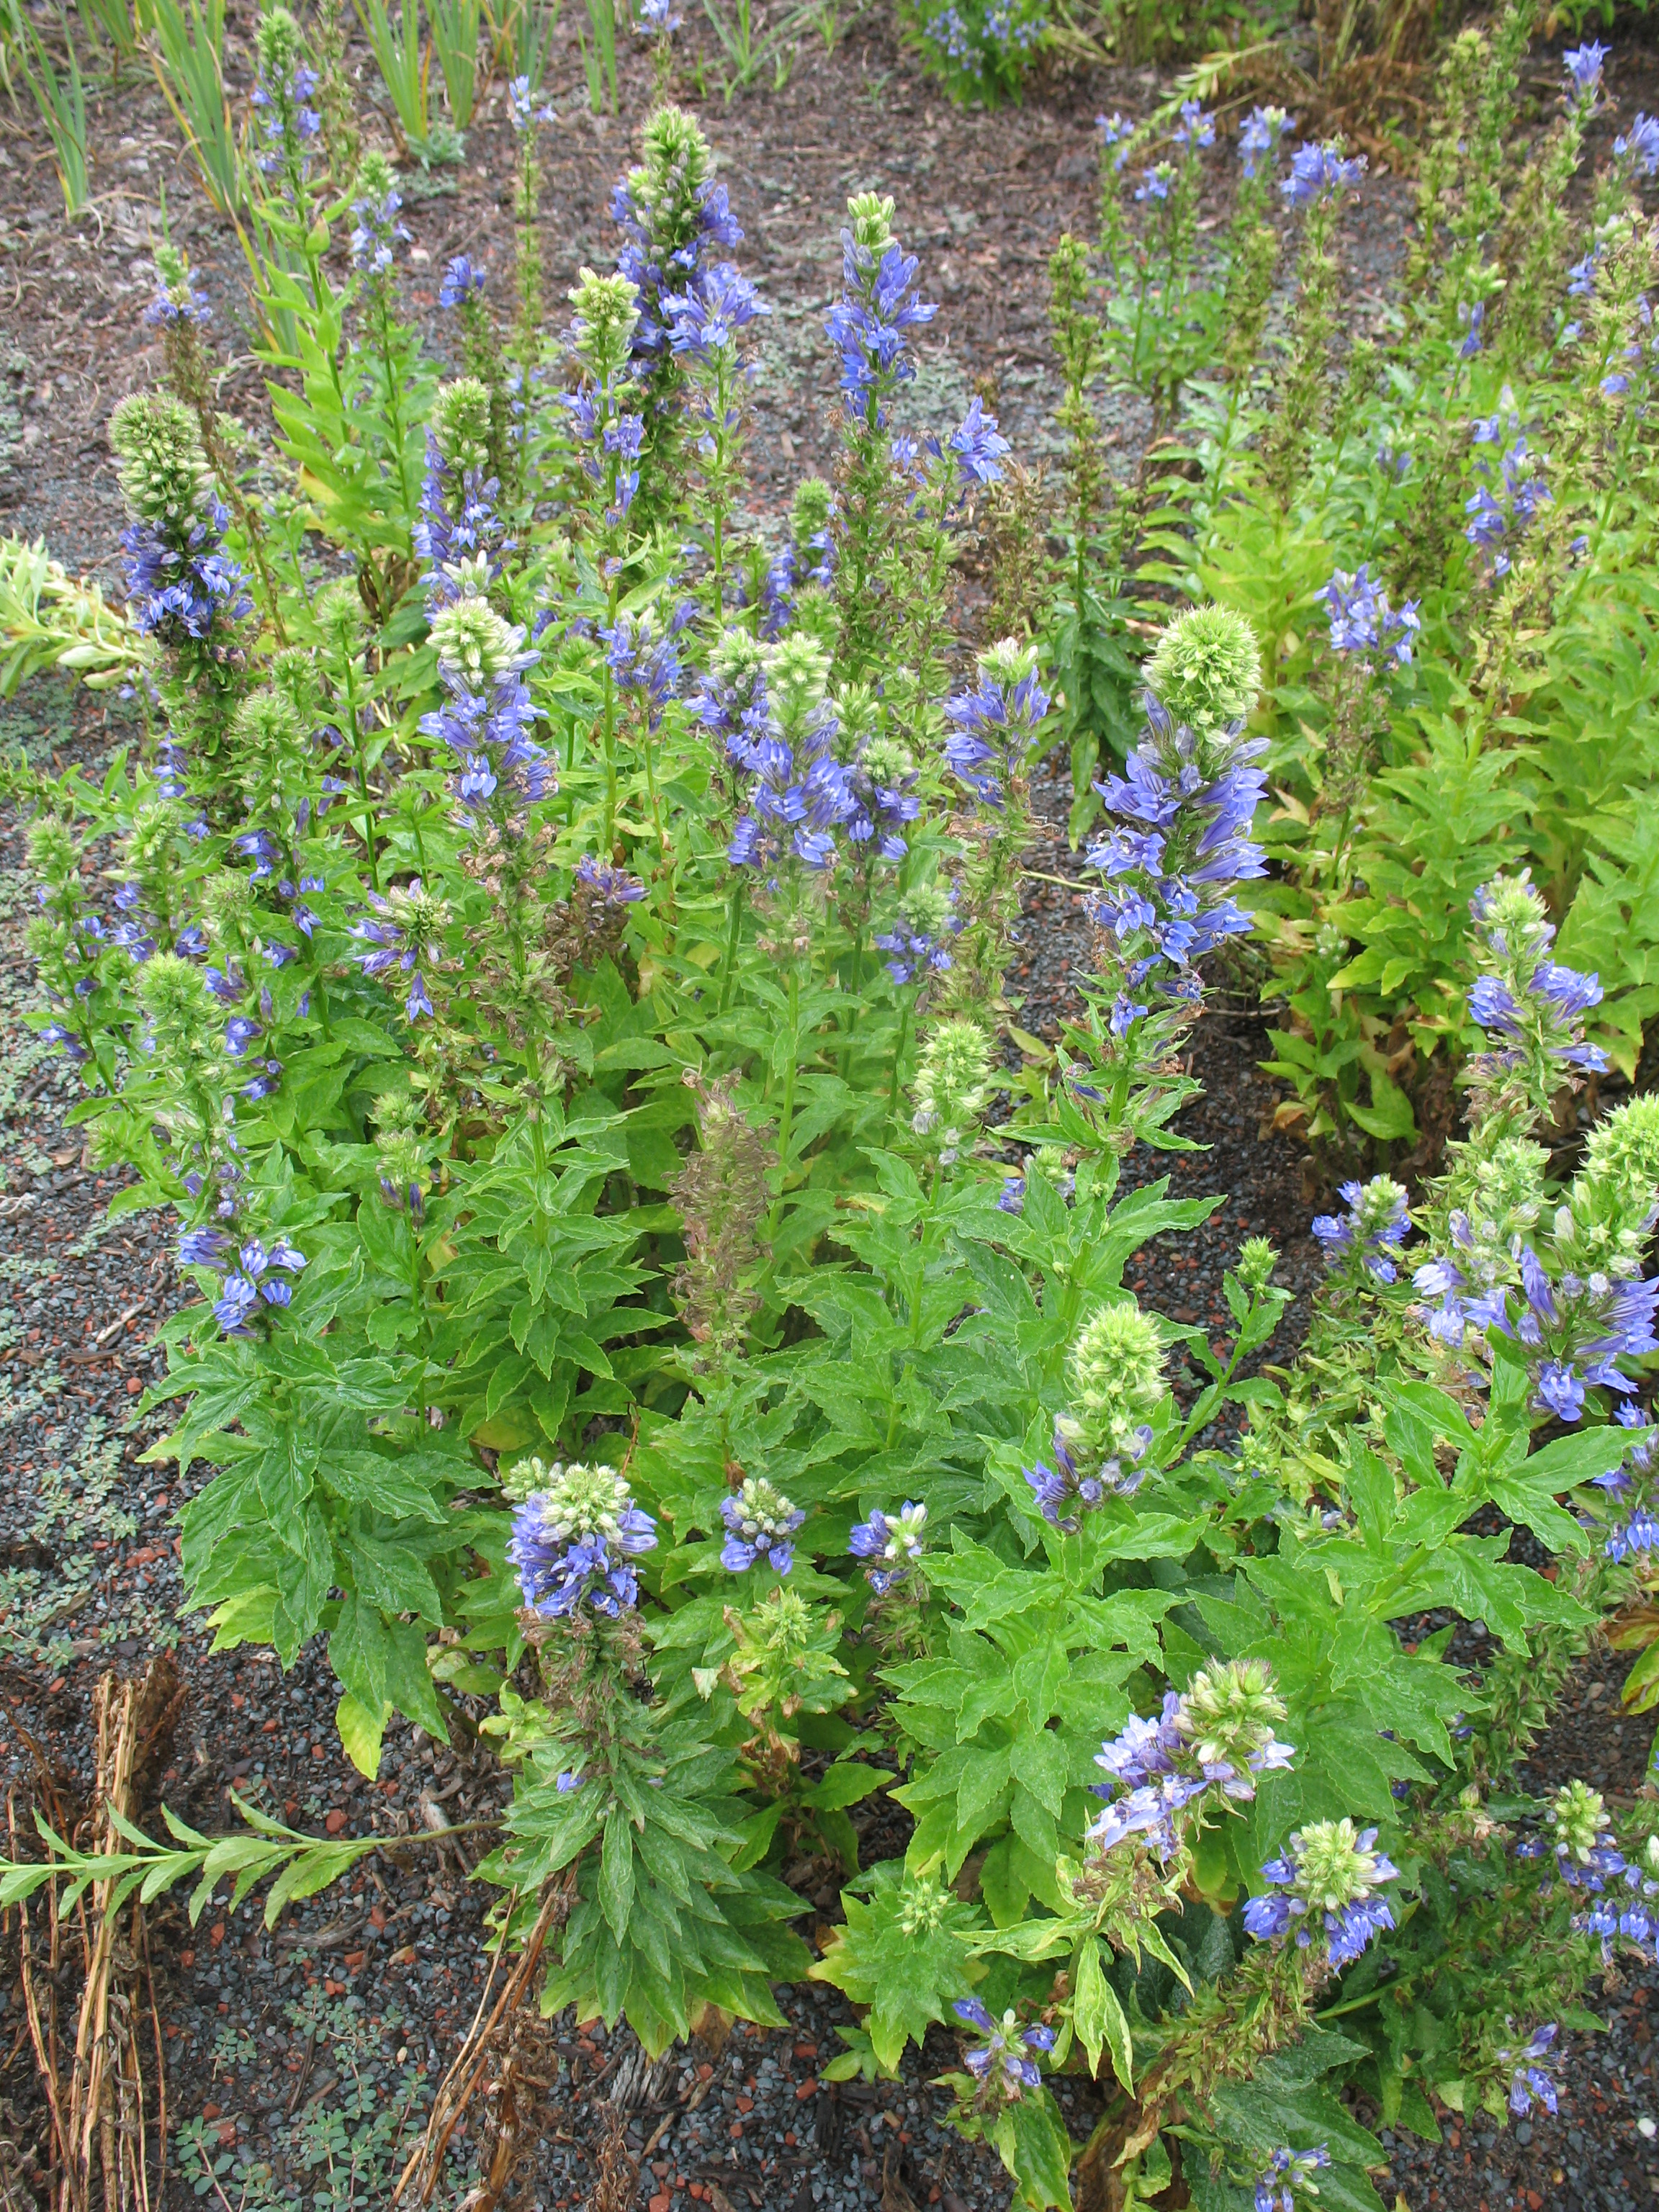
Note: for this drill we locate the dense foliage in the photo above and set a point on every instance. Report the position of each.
(650, 1306)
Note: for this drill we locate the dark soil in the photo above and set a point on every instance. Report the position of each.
(284, 2047)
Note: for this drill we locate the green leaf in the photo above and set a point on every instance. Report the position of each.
(1389, 1116)
(617, 1873)
(361, 1731)
(1040, 2160)
(846, 1783)
(1098, 2018)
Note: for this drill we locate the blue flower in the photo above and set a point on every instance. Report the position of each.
(759, 1522)
(574, 1541)
(615, 886)
(1530, 2082)
(1259, 139)
(1374, 1228)
(1195, 128)
(880, 304)
(896, 1544)
(1318, 172)
(706, 320)
(994, 724)
(1584, 66)
(1328, 1878)
(1362, 621)
(462, 280)
(977, 446)
(1002, 2061)
(1639, 147)
(1287, 2176)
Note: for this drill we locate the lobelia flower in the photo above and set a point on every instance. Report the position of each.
(248, 1283)
(801, 793)
(896, 1542)
(1116, 135)
(522, 111)
(488, 716)
(614, 885)
(1186, 801)
(1531, 1002)
(1155, 183)
(1362, 621)
(919, 939)
(705, 320)
(462, 280)
(658, 19)
(978, 446)
(282, 91)
(1195, 128)
(1319, 172)
(1583, 67)
(1002, 2061)
(459, 530)
(1638, 147)
(1217, 1737)
(1327, 1876)
(759, 1523)
(404, 934)
(1114, 1379)
(1259, 139)
(1529, 2084)
(881, 781)
(994, 725)
(185, 590)
(377, 233)
(643, 658)
(574, 1540)
(880, 304)
(1287, 2176)
(1372, 1231)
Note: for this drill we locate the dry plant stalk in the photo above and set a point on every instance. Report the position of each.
(99, 2120)
(492, 2059)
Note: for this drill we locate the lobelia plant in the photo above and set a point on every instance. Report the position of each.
(547, 949)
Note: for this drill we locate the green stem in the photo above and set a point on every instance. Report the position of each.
(786, 1115)
(733, 929)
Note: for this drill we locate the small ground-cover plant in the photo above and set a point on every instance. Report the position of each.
(548, 948)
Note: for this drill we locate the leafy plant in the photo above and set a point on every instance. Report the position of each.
(62, 101)
(548, 947)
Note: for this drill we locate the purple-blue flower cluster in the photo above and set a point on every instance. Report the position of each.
(1003, 2061)
(576, 1539)
(760, 1521)
(1362, 620)
(1372, 1232)
(1326, 1881)
(487, 716)
(1185, 803)
(1319, 173)
(894, 1543)
(994, 726)
(880, 303)
(1288, 2176)
(248, 1282)
(1216, 1737)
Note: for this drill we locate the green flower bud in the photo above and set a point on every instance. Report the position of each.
(1229, 1712)
(1257, 1258)
(953, 1084)
(796, 678)
(1578, 1814)
(228, 901)
(1332, 1866)
(1114, 1379)
(54, 855)
(164, 472)
(460, 423)
(470, 636)
(1206, 669)
(607, 314)
(870, 218)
